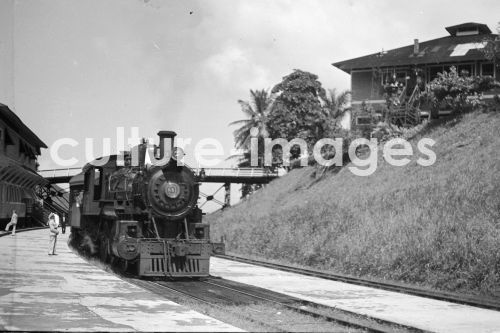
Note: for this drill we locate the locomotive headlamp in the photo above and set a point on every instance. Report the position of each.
(132, 231)
(172, 190)
(199, 233)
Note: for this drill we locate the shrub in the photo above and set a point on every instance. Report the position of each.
(384, 131)
(459, 92)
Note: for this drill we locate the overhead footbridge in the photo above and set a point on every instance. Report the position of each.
(205, 175)
(226, 176)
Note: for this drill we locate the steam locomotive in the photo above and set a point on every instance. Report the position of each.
(142, 218)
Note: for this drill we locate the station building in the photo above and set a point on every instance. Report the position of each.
(420, 62)
(19, 150)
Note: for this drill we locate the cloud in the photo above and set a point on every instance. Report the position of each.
(233, 66)
(273, 38)
(183, 65)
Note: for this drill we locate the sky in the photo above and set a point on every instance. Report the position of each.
(84, 68)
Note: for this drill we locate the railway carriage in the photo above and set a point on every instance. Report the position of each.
(143, 218)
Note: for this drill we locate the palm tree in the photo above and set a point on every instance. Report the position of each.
(337, 104)
(257, 110)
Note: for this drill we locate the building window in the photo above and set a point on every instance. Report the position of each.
(434, 71)
(488, 69)
(86, 182)
(462, 70)
(465, 70)
(97, 183)
(363, 120)
(361, 85)
(467, 31)
(8, 139)
(398, 76)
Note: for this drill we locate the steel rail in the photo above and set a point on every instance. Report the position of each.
(348, 318)
(343, 317)
(148, 284)
(481, 302)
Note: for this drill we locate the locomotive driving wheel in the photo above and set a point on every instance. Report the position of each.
(121, 265)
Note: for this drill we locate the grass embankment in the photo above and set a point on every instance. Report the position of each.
(437, 226)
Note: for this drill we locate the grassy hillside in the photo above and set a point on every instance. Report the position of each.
(437, 226)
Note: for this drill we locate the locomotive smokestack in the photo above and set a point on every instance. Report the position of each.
(142, 152)
(166, 138)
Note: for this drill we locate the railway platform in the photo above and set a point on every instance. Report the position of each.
(413, 311)
(39, 292)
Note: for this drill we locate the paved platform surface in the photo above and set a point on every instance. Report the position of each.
(427, 314)
(65, 293)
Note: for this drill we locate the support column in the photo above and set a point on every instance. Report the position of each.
(227, 194)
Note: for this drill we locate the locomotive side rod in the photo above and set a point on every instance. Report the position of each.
(154, 225)
(186, 228)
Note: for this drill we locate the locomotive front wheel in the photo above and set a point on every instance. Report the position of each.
(121, 265)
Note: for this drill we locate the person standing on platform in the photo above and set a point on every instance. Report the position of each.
(53, 234)
(13, 223)
(63, 224)
(56, 217)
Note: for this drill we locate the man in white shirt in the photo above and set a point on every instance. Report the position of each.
(13, 223)
(53, 234)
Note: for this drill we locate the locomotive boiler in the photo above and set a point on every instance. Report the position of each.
(142, 218)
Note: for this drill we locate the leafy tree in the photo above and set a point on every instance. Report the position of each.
(491, 49)
(298, 110)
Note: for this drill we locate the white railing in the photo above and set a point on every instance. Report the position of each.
(53, 173)
(208, 172)
(235, 172)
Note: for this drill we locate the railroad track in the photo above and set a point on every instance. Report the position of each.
(221, 293)
(179, 296)
(482, 302)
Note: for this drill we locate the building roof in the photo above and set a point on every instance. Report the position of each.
(13, 121)
(470, 26)
(463, 44)
(19, 174)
